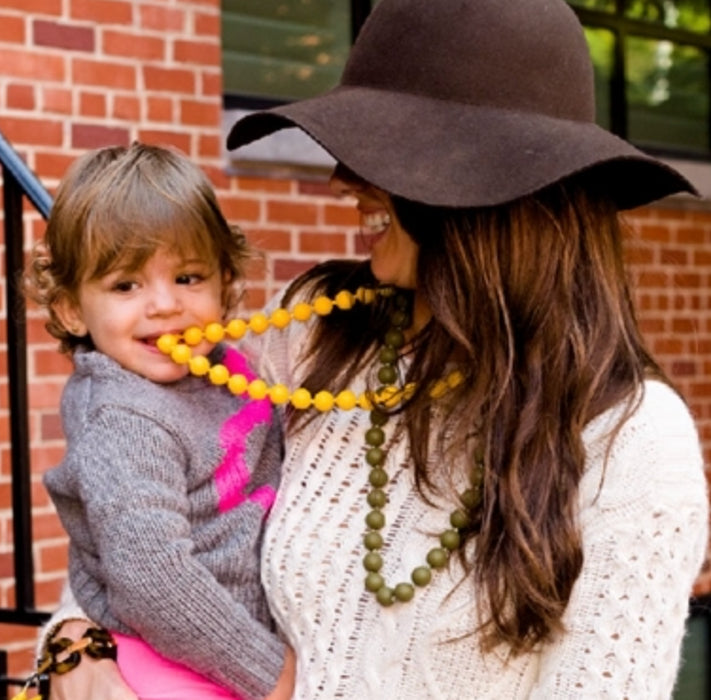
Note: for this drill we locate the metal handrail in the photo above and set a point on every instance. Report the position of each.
(18, 182)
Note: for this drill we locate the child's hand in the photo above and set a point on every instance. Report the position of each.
(285, 685)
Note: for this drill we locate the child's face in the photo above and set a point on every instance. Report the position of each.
(125, 312)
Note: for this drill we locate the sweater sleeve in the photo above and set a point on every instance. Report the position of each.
(644, 539)
(139, 514)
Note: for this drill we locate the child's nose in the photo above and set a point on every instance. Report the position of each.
(163, 300)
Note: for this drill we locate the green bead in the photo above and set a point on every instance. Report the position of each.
(373, 540)
(385, 596)
(378, 477)
(388, 356)
(394, 338)
(459, 519)
(375, 456)
(374, 437)
(375, 520)
(374, 582)
(402, 301)
(377, 498)
(437, 557)
(471, 497)
(372, 561)
(450, 540)
(400, 318)
(379, 417)
(387, 374)
(404, 592)
(421, 576)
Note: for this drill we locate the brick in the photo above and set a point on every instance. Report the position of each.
(52, 557)
(132, 45)
(29, 130)
(277, 240)
(31, 65)
(126, 107)
(293, 212)
(206, 25)
(335, 215)
(39, 7)
(321, 243)
(50, 362)
(202, 53)
(12, 29)
(209, 146)
(315, 188)
(92, 104)
(87, 136)
(20, 96)
(285, 270)
(169, 80)
(163, 19)
(57, 100)
(63, 36)
(103, 12)
(180, 140)
(161, 109)
(211, 84)
(198, 113)
(240, 209)
(104, 74)
(259, 184)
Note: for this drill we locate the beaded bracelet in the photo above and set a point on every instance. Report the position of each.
(64, 654)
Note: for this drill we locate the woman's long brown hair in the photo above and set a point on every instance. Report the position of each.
(531, 301)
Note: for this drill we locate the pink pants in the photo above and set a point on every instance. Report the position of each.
(153, 677)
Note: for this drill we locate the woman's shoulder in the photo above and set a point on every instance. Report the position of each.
(649, 451)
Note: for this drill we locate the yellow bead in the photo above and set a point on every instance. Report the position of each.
(214, 332)
(388, 396)
(301, 399)
(439, 389)
(237, 384)
(346, 400)
(365, 403)
(166, 343)
(408, 390)
(192, 336)
(302, 311)
(455, 379)
(236, 328)
(280, 318)
(258, 323)
(344, 300)
(279, 394)
(323, 306)
(323, 401)
(219, 374)
(199, 365)
(181, 354)
(257, 389)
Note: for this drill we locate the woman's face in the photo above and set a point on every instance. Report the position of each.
(393, 253)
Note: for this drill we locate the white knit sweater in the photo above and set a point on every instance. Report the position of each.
(644, 537)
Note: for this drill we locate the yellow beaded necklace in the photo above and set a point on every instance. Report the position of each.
(387, 396)
(179, 347)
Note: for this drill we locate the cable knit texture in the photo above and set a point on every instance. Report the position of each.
(164, 491)
(643, 516)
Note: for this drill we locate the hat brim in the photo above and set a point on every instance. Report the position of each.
(461, 155)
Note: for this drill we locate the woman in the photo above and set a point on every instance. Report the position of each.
(527, 507)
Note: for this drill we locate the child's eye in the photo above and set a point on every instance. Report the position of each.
(189, 278)
(124, 286)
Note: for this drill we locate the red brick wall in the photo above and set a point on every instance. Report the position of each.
(76, 74)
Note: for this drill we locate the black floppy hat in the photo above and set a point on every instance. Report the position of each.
(466, 103)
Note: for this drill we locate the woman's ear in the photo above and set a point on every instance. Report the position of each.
(69, 314)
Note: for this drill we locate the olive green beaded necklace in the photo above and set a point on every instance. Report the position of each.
(378, 478)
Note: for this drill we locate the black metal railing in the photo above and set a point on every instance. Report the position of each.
(19, 182)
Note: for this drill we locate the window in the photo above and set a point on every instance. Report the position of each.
(651, 61)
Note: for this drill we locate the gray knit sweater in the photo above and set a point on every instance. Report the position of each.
(164, 490)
